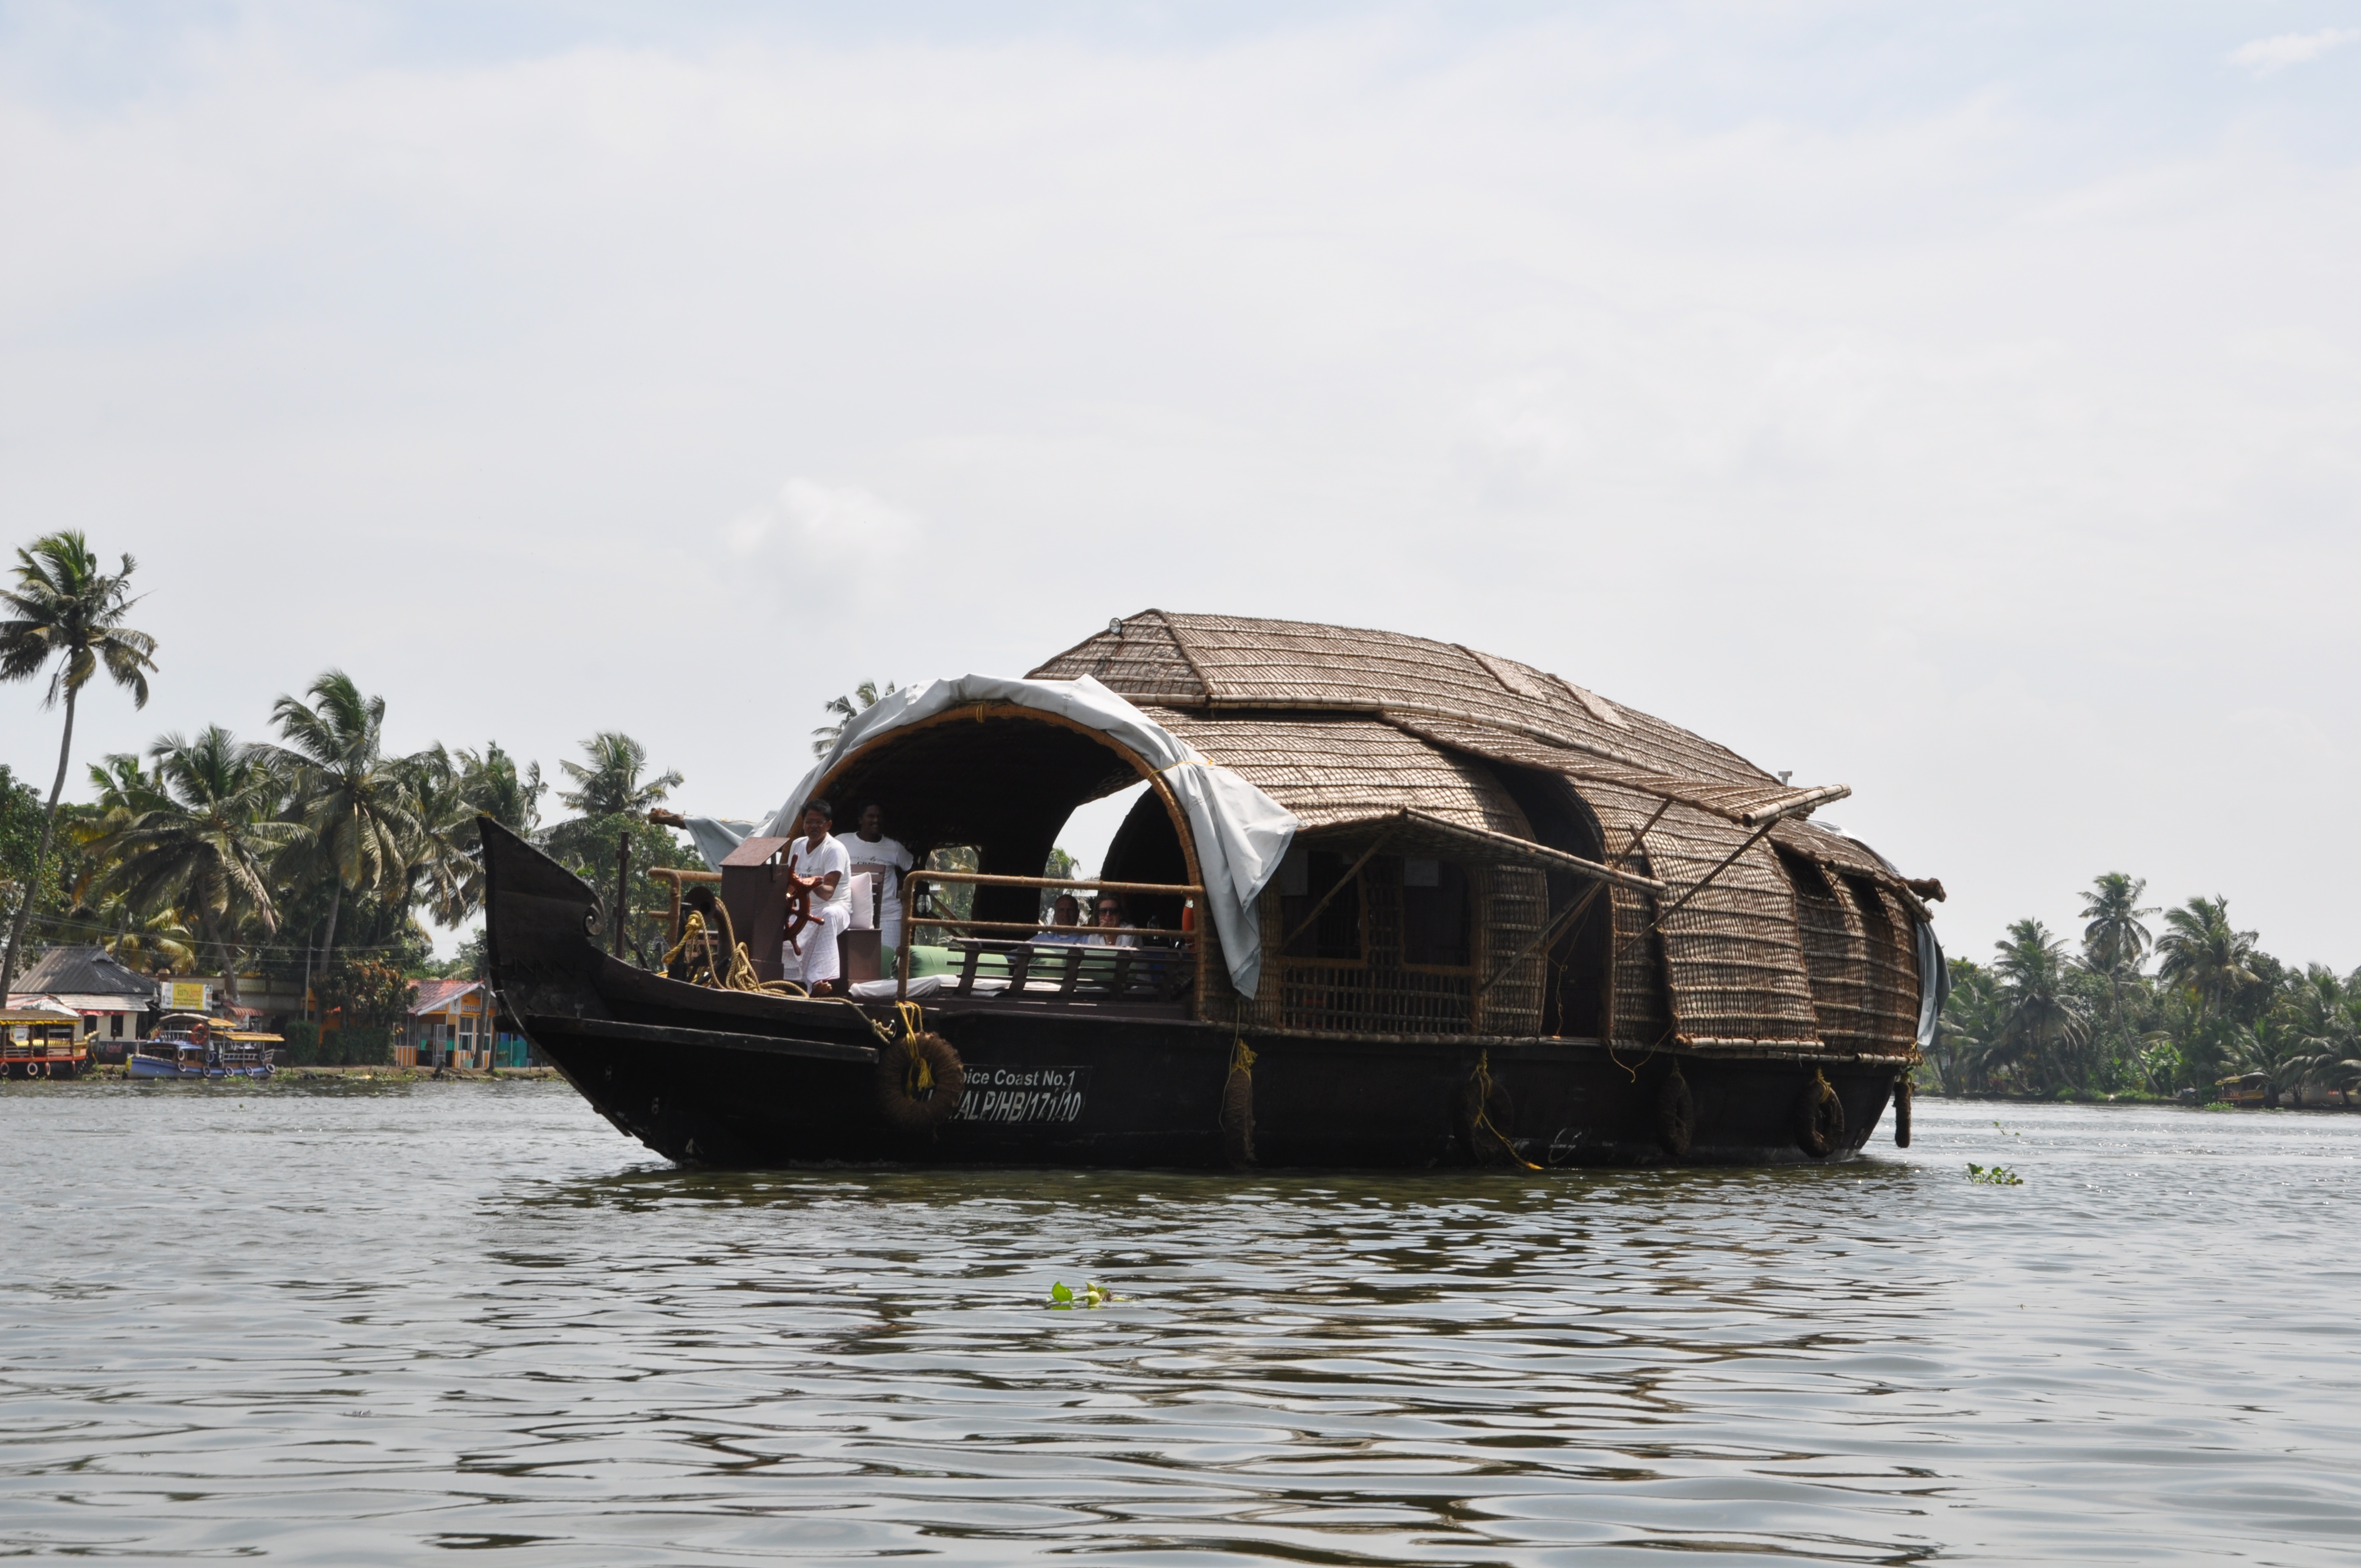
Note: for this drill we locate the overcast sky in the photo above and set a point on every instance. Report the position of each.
(1958, 402)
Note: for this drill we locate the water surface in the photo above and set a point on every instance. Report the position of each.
(373, 1325)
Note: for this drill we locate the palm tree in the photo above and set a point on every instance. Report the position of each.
(2041, 1020)
(1964, 1034)
(2116, 940)
(2272, 1048)
(64, 606)
(614, 801)
(866, 694)
(2200, 952)
(609, 784)
(352, 800)
(201, 850)
(442, 872)
(493, 787)
(2326, 1017)
(2115, 937)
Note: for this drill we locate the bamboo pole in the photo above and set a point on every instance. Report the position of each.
(1565, 922)
(1341, 883)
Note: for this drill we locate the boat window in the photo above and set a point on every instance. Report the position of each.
(1436, 920)
(1307, 876)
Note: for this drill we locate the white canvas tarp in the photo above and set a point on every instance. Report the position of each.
(1241, 834)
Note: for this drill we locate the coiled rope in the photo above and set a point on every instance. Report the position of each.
(1236, 1119)
(709, 970)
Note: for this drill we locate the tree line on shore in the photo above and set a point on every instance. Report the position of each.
(313, 858)
(2142, 1009)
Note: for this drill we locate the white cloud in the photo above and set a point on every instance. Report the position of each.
(2264, 56)
(828, 524)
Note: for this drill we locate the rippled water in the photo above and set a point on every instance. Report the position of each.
(363, 1326)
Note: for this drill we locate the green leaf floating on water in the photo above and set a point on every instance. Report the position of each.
(1994, 1176)
(1093, 1294)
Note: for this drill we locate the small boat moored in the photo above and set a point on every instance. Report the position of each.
(190, 1044)
(44, 1039)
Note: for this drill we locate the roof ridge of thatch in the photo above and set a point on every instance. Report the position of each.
(1214, 662)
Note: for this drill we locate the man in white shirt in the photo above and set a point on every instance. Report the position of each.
(817, 862)
(887, 861)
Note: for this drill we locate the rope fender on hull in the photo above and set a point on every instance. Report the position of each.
(1820, 1117)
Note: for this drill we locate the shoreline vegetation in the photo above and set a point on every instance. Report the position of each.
(311, 862)
(2044, 1022)
(373, 1073)
(314, 861)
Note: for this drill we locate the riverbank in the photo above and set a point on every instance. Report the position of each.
(2157, 1101)
(304, 1075)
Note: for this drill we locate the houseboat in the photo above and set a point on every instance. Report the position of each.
(1383, 901)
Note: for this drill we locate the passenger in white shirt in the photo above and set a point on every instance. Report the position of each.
(1110, 913)
(817, 861)
(888, 861)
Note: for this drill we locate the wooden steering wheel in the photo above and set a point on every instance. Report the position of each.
(800, 910)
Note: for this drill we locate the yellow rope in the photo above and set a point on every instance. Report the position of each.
(1484, 1108)
(693, 931)
(1242, 1057)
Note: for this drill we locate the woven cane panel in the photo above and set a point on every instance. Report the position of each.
(1733, 961)
(1510, 903)
(1637, 1009)
(1332, 771)
(1840, 856)
(1890, 1009)
(1837, 952)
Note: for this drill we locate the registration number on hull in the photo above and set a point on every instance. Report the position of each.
(1007, 1094)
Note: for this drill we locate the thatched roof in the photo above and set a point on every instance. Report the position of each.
(1347, 726)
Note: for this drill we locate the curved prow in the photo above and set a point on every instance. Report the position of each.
(540, 921)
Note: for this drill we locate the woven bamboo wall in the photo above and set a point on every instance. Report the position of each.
(1816, 948)
(1638, 1010)
(1890, 1000)
(1837, 951)
(1511, 903)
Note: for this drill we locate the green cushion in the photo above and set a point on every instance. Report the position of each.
(926, 960)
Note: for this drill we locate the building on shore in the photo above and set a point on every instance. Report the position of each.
(456, 1023)
(116, 1003)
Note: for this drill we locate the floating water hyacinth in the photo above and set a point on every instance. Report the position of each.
(1092, 1294)
(1994, 1176)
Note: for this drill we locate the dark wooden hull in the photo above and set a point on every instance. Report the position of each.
(719, 1078)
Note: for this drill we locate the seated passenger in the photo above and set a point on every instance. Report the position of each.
(1065, 921)
(818, 862)
(1110, 914)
